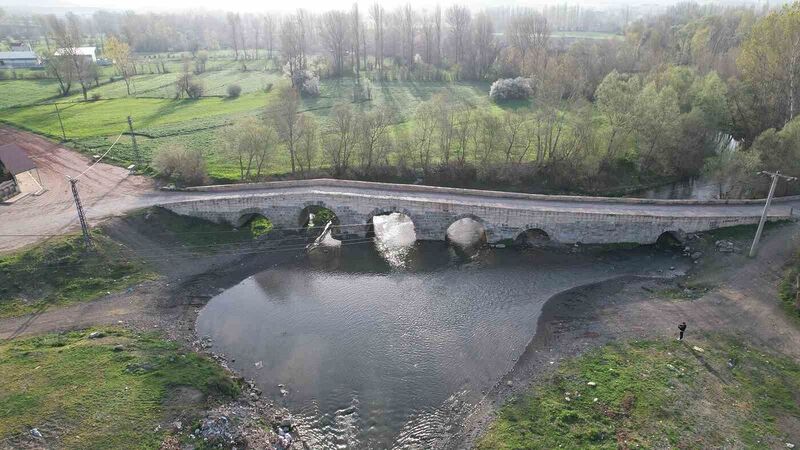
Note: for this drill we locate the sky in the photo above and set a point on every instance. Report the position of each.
(277, 5)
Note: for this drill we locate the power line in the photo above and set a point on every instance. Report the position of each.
(167, 233)
(101, 158)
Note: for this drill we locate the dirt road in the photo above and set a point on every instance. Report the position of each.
(105, 190)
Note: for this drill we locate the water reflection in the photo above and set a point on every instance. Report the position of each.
(394, 238)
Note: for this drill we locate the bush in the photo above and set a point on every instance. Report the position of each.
(260, 226)
(307, 83)
(180, 164)
(234, 90)
(511, 89)
(195, 90)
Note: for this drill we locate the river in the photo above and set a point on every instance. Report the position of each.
(385, 345)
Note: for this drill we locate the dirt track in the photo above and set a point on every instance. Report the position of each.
(105, 190)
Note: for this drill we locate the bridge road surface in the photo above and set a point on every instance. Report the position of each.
(108, 190)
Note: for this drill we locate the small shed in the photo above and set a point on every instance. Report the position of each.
(23, 170)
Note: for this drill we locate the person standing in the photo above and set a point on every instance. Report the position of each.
(682, 328)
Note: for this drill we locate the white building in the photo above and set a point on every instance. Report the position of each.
(87, 52)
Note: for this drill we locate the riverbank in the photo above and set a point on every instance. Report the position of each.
(726, 294)
(708, 392)
(145, 328)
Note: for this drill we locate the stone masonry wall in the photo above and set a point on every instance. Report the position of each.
(431, 219)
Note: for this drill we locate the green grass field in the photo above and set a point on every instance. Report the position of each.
(26, 92)
(115, 391)
(160, 119)
(657, 394)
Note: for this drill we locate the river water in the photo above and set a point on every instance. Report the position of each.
(385, 345)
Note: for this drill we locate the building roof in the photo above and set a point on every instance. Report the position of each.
(15, 159)
(84, 51)
(18, 55)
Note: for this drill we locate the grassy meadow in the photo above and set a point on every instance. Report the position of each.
(160, 118)
(657, 394)
(119, 389)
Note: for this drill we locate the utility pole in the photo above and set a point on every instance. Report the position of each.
(775, 177)
(58, 113)
(87, 238)
(135, 147)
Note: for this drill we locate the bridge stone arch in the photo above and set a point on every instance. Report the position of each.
(310, 207)
(533, 235)
(247, 214)
(485, 225)
(368, 226)
(670, 238)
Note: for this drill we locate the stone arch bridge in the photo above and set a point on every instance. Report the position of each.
(504, 215)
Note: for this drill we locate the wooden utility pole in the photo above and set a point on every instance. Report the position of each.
(775, 177)
(58, 113)
(135, 146)
(87, 238)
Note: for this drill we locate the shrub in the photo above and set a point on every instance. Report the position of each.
(511, 89)
(260, 226)
(180, 164)
(307, 83)
(195, 90)
(234, 90)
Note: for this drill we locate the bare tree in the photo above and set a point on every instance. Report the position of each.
(374, 135)
(406, 15)
(67, 36)
(340, 140)
(376, 13)
(334, 34)
(270, 26)
(250, 144)
(437, 29)
(485, 47)
(428, 35)
(234, 22)
(291, 46)
(529, 35)
(423, 136)
(286, 120)
(308, 144)
(458, 18)
(356, 32)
